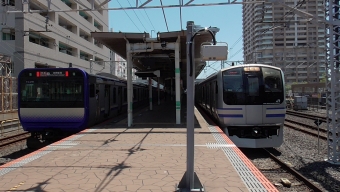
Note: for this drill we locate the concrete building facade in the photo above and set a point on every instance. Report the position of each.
(277, 35)
(54, 39)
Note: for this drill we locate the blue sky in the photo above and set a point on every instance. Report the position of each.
(226, 17)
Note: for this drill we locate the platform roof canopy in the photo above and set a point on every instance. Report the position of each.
(158, 59)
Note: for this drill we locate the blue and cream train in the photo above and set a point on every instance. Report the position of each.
(53, 101)
(248, 101)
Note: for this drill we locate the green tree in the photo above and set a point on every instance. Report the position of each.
(323, 79)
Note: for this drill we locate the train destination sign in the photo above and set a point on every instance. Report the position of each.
(52, 73)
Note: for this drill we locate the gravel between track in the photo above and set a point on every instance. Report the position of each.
(301, 151)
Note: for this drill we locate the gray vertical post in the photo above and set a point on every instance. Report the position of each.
(129, 84)
(190, 107)
(190, 178)
(150, 93)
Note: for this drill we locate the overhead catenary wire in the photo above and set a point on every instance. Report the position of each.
(137, 16)
(129, 16)
(164, 16)
(148, 18)
(298, 5)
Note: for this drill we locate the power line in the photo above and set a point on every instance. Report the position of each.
(236, 53)
(137, 16)
(299, 4)
(164, 16)
(129, 16)
(148, 18)
(237, 41)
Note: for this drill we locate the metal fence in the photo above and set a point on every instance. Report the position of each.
(315, 101)
(9, 94)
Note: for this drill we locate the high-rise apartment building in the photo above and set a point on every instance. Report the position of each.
(54, 39)
(278, 35)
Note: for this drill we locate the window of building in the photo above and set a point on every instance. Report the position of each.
(8, 2)
(8, 35)
(39, 39)
(97, 25)
(65, 49)
(84, 56)
(67, 2)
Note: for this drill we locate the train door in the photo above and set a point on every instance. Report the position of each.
(274, 105)
(253, 107)
(120, 99)
(107, 100)
(97, 101)
(215, 98)
(212, 98)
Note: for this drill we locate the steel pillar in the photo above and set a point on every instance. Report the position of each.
(333, 87)
(177, 82)
(129, 84)
(150, 93)
(190, 181)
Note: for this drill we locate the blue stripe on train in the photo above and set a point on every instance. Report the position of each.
(231, 115)
(275, 115)
(229, 108)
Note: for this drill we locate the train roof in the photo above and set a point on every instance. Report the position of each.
(250, 65)
(236, 66)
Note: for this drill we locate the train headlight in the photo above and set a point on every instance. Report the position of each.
(256, 132)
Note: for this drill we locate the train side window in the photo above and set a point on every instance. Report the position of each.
(114, 95)
(92, 93)
(125, 95)
(216, 87)
(134, 94)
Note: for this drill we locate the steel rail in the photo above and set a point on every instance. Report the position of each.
(292, 171)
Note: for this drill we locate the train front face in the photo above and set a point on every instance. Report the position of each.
(253, 108)
(52, 99)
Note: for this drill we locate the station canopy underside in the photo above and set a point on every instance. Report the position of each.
(157, 59)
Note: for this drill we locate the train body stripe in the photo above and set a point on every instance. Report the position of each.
(229, 108)
(276, 108)
(231, 115)
(275, 115)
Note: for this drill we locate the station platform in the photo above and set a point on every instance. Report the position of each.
(150, 156)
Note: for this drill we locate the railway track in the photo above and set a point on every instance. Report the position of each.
(307, 116)
(292, 171)
(280, 173)
(14, 139)
(306, 129)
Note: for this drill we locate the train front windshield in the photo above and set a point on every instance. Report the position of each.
(51, 89)
(253, 86)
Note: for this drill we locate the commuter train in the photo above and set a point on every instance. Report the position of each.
(55, 101)
(248, 101)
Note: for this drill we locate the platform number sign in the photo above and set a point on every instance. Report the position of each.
(317, 122)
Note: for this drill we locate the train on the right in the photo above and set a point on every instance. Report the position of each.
(248, 101)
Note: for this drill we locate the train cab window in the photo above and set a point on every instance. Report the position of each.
(233, 81)
(273, 86)
(233, 88)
